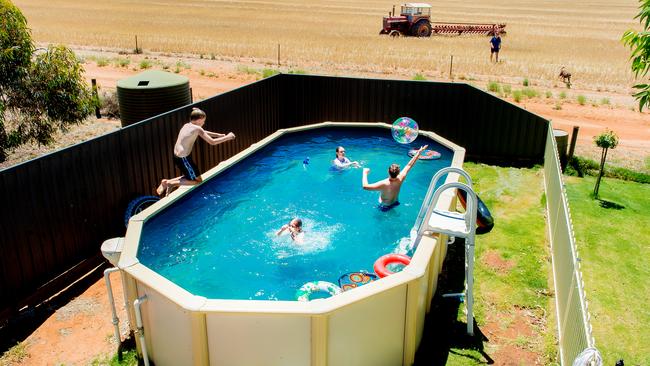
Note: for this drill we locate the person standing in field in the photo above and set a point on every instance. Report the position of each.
(495, 45)
(190, 174)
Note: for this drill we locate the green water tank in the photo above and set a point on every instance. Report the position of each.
(150, 93)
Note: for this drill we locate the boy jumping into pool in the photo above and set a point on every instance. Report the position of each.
(190, 174)
(390, 186)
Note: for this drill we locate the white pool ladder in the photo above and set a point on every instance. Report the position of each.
(461, 225)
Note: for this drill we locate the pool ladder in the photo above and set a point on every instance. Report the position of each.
(460, 225)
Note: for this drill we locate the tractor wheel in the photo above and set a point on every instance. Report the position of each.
(421, 29)
(394, 34)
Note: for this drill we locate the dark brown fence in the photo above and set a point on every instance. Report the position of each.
(58, 209)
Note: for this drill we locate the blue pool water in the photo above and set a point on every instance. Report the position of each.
(219, 241)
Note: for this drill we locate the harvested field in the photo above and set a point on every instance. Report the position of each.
(339, 35)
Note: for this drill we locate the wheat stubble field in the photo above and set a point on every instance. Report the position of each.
(541, 36)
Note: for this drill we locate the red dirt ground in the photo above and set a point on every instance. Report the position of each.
(81, 331)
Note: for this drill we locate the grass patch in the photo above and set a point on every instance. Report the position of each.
(494, 87)
(419, 77)
(15, 355)
(517, 95)
(247, 70)
(122, 62)
(581, 99)
(145, 64)
(611, 236)
(605, 101)
(557, 106)
(507, 89)
(102, 62)
(129, 358)
(549, 94)
(525, 82)
(562, 95)
(515, 197)
(269, 72)
(529, 93)
(299, 72)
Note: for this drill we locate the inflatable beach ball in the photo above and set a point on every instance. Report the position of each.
(405, 130)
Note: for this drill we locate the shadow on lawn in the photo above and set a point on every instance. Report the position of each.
(610, 205)
(443, 332)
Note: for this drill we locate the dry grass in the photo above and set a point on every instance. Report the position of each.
(542, 36)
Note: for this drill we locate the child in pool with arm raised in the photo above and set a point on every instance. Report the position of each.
(390, 187)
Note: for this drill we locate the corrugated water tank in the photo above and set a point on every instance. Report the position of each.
(151, 93)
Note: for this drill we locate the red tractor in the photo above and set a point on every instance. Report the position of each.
(415, 20)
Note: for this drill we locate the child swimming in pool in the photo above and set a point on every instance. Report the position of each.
(390, 187)
(342, 162)
(295, 229)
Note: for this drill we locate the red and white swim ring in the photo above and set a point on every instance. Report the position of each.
(384, 260)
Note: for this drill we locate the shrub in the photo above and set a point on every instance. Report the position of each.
(494, 87)
(246, 70)
(180, 64)
(298, 72)
(269, 72)
(122, 62)
(530, 93)
(562, 95)
(580, 167)
(558, 106)
(507, 89)
(525, 82)
(145, 64)
(549, 94)
(109, 105)
(419, 77)
(202, 72)
(581, 99)
(604, 101)
(102, 61)
(517, 95)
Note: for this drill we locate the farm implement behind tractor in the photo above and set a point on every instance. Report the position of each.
(415, 20)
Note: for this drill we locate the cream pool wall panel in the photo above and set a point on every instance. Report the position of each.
(369, 332)
(168, 330)
(243, 339)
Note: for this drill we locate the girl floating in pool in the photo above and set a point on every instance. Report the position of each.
(341, 162)
(295, 229)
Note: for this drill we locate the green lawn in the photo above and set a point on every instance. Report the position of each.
(512, 268)
(613, 240)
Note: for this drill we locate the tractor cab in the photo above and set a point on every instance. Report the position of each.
(413, 20)
(416, 9)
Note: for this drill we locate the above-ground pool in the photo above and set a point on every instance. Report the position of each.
(214, 285)
(219, 241)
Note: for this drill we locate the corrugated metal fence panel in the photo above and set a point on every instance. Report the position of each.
(59, 208)
(489, 128)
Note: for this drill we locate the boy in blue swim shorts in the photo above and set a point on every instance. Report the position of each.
(190, 174)
(390, 187)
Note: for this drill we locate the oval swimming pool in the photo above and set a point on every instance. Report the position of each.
(219, 240)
